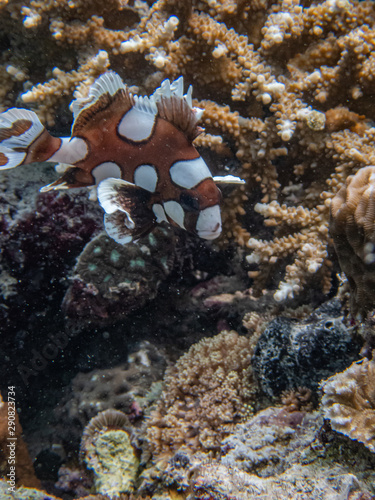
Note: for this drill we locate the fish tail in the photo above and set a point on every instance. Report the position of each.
(23, 139)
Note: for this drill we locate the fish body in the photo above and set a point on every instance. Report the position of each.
(137, 150)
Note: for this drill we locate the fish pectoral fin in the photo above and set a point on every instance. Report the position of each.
(73, 177)
(228, 179)
(117, 227)
(128, 214)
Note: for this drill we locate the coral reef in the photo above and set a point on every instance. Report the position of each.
(348, 402)
(107, 450)
(290, 89)
(291, 353)
(352, 229)
(286, 88)
(208, 390)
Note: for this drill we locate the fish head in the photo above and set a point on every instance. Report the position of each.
(195, 203)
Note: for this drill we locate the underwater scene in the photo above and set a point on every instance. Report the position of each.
(187, 250)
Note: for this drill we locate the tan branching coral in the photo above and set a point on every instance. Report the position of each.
(286, 89)
(208, 390)
(349, 402)
(352, 227)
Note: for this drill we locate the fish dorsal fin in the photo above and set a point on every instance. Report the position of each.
(177, 108)
(109, 82)
(106, 90)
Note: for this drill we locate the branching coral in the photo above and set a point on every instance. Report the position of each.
(208, 390)
(290, 104)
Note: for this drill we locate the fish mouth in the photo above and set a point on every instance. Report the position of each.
(210, 235)
(208, 224)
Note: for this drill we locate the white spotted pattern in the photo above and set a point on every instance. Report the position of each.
(146, 177)
(70, 151)
(189, 173)
(14, 147)
(209, 223)
(106, 170)
(137, 124)
(175, 211)
(159, 213)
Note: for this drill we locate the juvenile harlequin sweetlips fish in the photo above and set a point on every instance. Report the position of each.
(138, 150)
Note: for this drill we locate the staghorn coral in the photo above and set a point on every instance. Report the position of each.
(208, 390)
(352, 229)
(348, 402)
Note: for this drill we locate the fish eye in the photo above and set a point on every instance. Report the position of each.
(189, 203)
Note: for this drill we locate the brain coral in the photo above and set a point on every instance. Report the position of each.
(352, 227)
(205, 393)
(123, 387)
(349, 402)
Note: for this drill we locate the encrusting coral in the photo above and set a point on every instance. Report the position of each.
(349, 402)
(206, 392)
(352, 227)
(286, 91)
(111, 280)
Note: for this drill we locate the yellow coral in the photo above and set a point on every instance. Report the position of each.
(205, 394)
(107, 450)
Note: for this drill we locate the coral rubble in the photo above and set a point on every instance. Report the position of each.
(271, 441)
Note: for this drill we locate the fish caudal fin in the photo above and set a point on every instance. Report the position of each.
(23, 139)
(128, 215)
